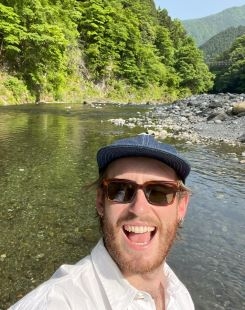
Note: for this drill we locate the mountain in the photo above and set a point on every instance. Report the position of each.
(202, 29)
(221, 42)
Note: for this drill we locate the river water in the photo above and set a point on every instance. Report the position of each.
(47, 154)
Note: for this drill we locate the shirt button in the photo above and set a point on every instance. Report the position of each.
(139, 296)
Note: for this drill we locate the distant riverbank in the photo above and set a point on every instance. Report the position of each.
(205, 118)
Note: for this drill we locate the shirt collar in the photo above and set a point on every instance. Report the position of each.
(118, 291)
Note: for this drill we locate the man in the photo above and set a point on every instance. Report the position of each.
(141, 199)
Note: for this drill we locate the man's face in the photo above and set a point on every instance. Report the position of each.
(138, 235)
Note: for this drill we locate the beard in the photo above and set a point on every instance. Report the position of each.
(134, 262)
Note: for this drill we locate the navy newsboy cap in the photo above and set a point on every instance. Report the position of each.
(143, 145)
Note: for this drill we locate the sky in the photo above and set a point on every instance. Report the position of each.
(190, 9)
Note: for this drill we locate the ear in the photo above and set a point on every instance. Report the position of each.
(100, 201)
(183, 203)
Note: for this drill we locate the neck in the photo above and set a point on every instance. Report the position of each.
(152, 283)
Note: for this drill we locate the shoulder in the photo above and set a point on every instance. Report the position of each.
(67, 286)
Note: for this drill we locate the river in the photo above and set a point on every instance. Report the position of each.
(47, 154)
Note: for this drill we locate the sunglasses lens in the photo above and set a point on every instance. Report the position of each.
(122, 192)
(160, 194)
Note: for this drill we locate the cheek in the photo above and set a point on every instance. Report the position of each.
(167, 214)
(113, 212)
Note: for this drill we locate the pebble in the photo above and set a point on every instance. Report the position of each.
(2, 257)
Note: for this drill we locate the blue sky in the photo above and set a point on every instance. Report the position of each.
(189, 9)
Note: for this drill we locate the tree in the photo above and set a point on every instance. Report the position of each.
(191, 69)
(189, 72)
(10, 34)
(113, 44)
(41, 56)
(231, 77)
(118, 41)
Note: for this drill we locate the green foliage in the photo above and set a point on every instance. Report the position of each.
(47, 31)
(220, 43)
(13, 90)
(16, 86)
(132, 41)
(203, 29)
(194, 74)
(231, 77)
(10, 33)
(117, 45)
(103, 37)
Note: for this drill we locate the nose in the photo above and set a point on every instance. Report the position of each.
(139, 204)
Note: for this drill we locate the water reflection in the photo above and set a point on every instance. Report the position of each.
(47, 153)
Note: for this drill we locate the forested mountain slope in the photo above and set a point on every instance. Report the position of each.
(70, 49)
(203, 29)
(229, 76)
(221, 42)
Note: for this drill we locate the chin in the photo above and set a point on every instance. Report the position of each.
(131, 260)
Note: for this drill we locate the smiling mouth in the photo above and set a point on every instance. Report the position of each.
(140, 235)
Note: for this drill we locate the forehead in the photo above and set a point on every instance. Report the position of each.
(148, 168)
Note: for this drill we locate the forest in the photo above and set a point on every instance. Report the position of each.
(221, 42)
(229, 68)
(224, 47)
(72, 50)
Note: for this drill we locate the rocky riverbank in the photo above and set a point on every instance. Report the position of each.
(206, 118)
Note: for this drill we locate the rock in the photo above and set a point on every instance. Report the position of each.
(218, 121)
(131, 125)
(2, 257)
(118, 121)
(238, 108)
(242, 138)
(162, 134)
(205, 118)
(217, 116)
(241, 114)
(215, 104)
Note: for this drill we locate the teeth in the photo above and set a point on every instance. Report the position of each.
(139, 229)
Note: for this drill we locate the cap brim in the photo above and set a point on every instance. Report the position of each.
(110, 153)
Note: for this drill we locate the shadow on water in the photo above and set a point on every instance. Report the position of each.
(47, 154)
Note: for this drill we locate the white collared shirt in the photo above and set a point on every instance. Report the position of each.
(96, 283)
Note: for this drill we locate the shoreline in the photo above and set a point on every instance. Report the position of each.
(200, 119)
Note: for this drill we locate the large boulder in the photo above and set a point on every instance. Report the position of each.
(238, 108)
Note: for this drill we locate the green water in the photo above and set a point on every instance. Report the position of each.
(47, 155)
